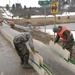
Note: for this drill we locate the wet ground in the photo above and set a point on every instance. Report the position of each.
(9, 60)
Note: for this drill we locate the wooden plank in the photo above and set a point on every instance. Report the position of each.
(58, 49)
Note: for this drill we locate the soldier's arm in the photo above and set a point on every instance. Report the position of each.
(56, 38)
(67, 36)
(31, 43)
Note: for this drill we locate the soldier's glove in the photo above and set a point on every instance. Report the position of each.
(34, 51)
(64, 46)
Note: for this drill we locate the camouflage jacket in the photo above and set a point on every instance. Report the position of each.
(21, 39)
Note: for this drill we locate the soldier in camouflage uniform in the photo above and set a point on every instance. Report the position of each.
(21, 47)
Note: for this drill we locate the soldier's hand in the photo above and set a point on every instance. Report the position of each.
(34, 51)
(55, 42)
(64, 47)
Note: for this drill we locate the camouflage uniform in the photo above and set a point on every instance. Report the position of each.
(69, 40)
(21, 48)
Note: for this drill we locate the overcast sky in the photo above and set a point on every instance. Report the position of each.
(28, 3)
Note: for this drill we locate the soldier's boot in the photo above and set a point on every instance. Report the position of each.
(26, 64)
(22, 61)
(70, 55)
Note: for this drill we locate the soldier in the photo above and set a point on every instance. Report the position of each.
(12, 24)
(21, 47)
(67, 37)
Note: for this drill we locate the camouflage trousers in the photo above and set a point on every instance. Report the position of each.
(69, 47)
(22, 51)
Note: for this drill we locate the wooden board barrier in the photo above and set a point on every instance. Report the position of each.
(58, 49)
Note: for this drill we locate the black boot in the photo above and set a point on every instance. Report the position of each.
(70, 55)
(22, 61)
(26, 64)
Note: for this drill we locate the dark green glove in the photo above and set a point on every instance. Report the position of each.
(64, 46)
